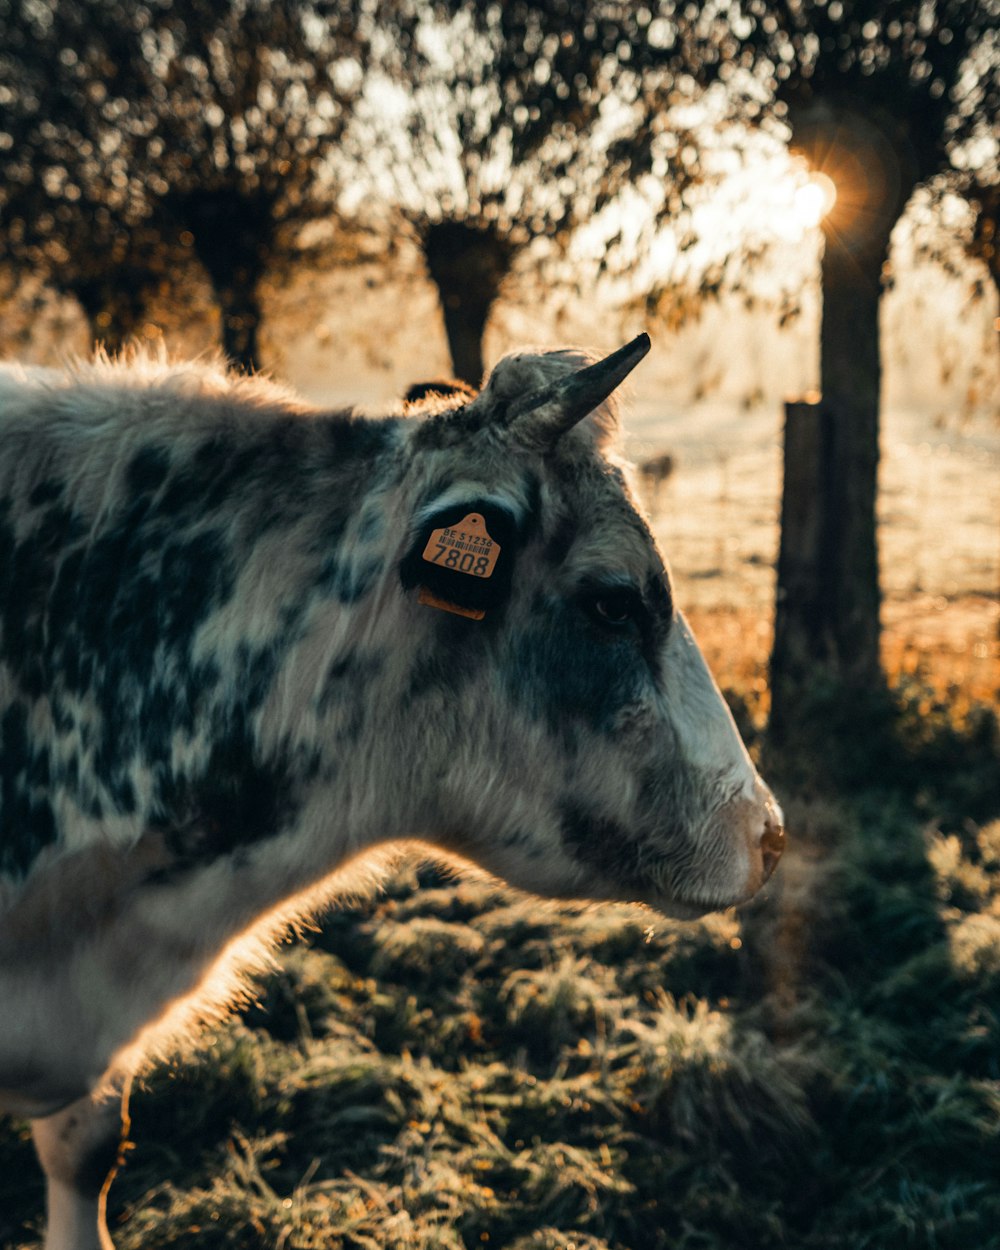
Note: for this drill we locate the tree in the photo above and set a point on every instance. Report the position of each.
(184, 126)
(494, 129)
(71, 208)
(880, 97)
(245, 101)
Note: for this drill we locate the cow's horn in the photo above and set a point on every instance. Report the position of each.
(544, 416)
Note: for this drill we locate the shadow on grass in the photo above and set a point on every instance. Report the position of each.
(450, 1066)
(896, 979)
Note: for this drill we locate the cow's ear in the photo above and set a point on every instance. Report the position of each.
(462, 557)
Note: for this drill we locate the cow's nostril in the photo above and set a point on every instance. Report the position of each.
(771, 845)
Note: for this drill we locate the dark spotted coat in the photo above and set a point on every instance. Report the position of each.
(223, 689)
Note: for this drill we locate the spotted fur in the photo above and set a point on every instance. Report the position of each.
(220, 695)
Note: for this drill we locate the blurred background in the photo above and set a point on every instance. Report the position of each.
(799, 202)
(358, 196)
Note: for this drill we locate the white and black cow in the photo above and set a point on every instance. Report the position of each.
(245, 644)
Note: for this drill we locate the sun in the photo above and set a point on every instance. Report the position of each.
(813, 200)
(777, 197)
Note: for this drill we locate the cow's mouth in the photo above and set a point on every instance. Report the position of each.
(622, 870)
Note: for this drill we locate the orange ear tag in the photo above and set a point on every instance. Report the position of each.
(465, 547)
(431, 600)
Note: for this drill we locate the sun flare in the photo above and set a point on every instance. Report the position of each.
(814, 199)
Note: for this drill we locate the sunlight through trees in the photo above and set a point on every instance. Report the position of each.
(568, 143)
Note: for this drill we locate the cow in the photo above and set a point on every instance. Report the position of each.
(247, 647)
(654, 473)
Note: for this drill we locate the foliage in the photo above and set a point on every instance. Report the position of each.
(490, 134)
(883, 98)
(137, 136)
(69, 206)
(140, 137)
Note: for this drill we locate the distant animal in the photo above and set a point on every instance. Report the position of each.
(654, 473)
(245, 645)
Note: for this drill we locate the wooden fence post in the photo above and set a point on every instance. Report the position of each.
(802, 609)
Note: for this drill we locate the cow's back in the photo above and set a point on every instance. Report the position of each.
(133, 498)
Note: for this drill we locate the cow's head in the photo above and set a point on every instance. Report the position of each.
(554, 718)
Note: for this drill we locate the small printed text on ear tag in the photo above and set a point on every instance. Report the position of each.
(465, 547)
(462, 558)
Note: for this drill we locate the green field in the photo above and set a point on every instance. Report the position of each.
(452, 1066)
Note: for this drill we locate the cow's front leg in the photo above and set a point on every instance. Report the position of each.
(80, 1149)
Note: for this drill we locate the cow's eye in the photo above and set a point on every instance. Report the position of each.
(615, 609)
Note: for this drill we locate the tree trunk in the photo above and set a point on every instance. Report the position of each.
(232, 238)
(827, 607)
(239, 317)
(850, 384)
(114, 304)
(468, 266)
(827, 619)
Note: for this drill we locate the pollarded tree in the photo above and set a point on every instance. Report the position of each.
(245, 100)
(488, 129)
(71, 207)
(184, 126)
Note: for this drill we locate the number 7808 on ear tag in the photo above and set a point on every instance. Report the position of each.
(465, 547)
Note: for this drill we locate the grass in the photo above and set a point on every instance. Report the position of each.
(449, 1066)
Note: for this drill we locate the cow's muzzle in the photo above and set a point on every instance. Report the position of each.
(752, 828)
